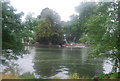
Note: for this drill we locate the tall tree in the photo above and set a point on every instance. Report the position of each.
(28, 32)
(49, 27)
(102, 32)
(84, 10)
(75, 27)
(11, 31)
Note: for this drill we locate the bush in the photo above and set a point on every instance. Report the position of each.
(28, 75)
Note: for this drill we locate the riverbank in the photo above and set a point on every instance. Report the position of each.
(110, 76)
(59, 46)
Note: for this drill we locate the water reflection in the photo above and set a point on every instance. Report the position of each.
(107, 65)
(74, 60)
(62, 73)
(60, 62)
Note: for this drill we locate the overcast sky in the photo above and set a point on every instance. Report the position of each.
(64, 8)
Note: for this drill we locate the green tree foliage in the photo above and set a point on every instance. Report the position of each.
(11, 31)
(75, 27)
(48, 29)
(72, 29)
(28, 32)
(98, 24)
(102, 32)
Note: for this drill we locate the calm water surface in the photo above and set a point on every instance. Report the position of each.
(50, 62)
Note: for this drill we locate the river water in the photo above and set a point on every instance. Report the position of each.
(51, 62)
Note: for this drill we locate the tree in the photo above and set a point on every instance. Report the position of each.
(28, 32)
(102, 32)
(11, 31)
(84, 10)
(48, 29)
(75, 27)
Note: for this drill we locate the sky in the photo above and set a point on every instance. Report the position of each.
(64, 8)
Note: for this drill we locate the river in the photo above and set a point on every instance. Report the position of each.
(51, 62)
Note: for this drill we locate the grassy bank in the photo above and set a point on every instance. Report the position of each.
(71, 76)
(110, 76)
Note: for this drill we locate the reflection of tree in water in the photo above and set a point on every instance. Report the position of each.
(10, 68)
(45, 69)
(49, 61)
(77, 62)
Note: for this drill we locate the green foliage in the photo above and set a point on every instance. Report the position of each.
(72, 29)
(28, 32)
(48, 29)
(28, 75)
(102, 31)
(98, 25)
(56, 78)
(109, 76)
(11, 31)
(45, 29)
(74, 76)
(75, 27)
